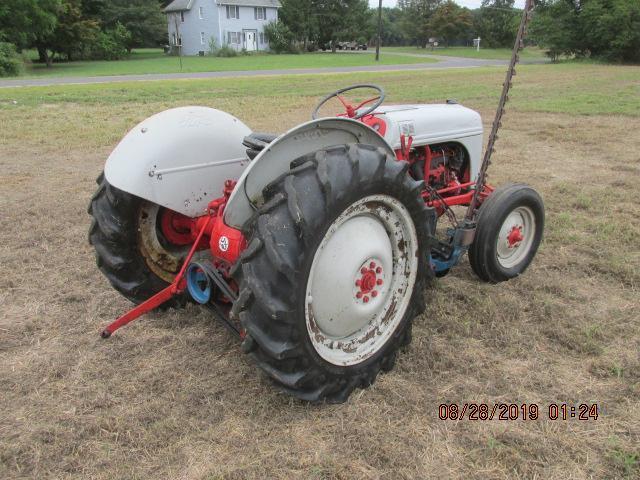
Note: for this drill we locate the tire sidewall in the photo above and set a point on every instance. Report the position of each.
(412, 204)
(523, 197)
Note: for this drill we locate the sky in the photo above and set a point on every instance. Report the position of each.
(465, 3)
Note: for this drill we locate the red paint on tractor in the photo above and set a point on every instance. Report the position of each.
(178, 229)
(226, 243)
(379, 125)
(161, 297)
(208, 229)
(515, 236)
(368, 281)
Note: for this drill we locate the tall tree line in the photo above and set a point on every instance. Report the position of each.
(607, 29)
(74, 29)
(321, 22)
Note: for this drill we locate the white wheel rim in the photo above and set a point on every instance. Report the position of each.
(373, 242)
(160, 261)
(516, 237)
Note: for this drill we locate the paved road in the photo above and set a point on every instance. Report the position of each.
(443, 63)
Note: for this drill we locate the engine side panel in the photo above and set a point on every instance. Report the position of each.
(180, 158)
(431, 124)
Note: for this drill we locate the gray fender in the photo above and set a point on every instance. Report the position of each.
(275, 160)
(180, 158)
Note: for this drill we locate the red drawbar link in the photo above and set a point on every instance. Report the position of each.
(158, 299)
(145, 307)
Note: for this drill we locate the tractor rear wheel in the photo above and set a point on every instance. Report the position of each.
(509, 232)
(335, 271)
(130, 249)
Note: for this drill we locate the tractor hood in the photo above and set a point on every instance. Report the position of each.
(429, 124)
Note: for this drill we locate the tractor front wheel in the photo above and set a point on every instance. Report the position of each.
(508, 234)
(335, 271)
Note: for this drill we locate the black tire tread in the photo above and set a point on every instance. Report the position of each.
(492, 211)
(113, 234)
(270, 277)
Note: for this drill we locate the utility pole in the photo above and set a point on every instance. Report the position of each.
(379, 31)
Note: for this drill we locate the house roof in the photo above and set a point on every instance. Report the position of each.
(179, 6)
(251, 3)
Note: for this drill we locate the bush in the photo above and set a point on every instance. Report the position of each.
(605, 29)
(10, 62)
(112, 44)
(226, 51)
(280, 37)
(213, 46)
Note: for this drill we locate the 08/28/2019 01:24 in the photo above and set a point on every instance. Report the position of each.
(515, 411)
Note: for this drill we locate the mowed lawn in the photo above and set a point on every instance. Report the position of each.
(154, 61)
(173, 396)
(529, 53)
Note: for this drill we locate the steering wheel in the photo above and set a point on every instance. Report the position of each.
(351, 111)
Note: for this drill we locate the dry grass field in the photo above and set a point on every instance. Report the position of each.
(172, 396)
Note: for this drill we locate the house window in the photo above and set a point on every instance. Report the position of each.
(201, 38)
(201, 12)
(182, 17)
(234, 38)
(263, 38)
(260, 13)
(233, 11)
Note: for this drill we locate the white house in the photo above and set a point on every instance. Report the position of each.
(236, 23)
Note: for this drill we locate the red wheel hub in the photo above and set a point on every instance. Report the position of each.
(370, 278)
(515, 236)
(176, 228)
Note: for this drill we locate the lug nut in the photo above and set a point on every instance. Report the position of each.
(363, 270)
(358, 283)
(379, 281)
(379, 270)
(359, 295)
(374, 294)
(372, 265)
(365, 299)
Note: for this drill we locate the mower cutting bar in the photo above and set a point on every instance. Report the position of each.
(471, 215)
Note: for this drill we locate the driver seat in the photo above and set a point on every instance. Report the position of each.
(256, 142)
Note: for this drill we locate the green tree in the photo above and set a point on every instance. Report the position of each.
(392, 31)
(111, 44)
(340, 19)
(24, 21)
(497, 23)
(611, 29)
(555, 27)
(73, 34)
(607, 29)
(142, 18)
(299, 17)
(10, 62)
(451, 22)
(279, 36)
(416, 19)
